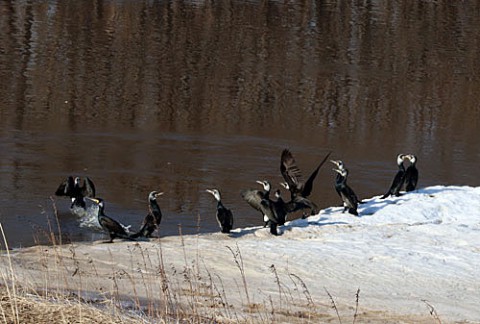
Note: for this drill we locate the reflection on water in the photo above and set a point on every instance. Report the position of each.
(184, 96)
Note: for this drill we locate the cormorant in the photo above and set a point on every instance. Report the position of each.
(224, 215)
(281, 208)
(111, 226)
(349, 198)
(70, 187)
(261, 201)
(399, 179)
(299, 191)
(265, 194)
(411, 174)
(153, 218)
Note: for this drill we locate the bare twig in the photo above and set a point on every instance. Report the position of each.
(237, 256)
(357, 297)
(11, 293)
(334, 306)
(277, 280)
(432, 311)
(306, 292)
(55, 212)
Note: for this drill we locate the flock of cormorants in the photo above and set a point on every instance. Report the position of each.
(274, 211)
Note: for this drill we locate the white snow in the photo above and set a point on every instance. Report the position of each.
(423, 245)
(401, 252)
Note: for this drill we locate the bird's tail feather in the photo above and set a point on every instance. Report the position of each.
(141, 232)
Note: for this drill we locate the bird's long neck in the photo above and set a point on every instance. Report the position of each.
(266, 193)
(155, 208)
(77, 189)
(340, 179)
(101, 210)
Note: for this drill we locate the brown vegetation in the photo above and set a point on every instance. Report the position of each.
(131, 282)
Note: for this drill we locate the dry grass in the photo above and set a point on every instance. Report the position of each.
(30, 308)
(68, 284)
(169, 295)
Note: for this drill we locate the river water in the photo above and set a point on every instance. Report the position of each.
(181, 96)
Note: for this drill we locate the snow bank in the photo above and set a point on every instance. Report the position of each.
(401, 252)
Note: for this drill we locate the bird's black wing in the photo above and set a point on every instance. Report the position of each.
(307, 189)
(253, 198)
(225, 219)
(289, 169)
(112, 226)
(300, 203)
(352, 197)
(88, 189)
(148, 227)
(397, 185)
(66, 187)
(268, 210)
(411, 178)
(229, 218)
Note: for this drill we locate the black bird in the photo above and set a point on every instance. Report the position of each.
(224, 215)
(153, 218)
(261, 201)
(70, 187)
(299, 190)
(267, 187)
(411, 174)
(349, 198)
(247, 195)
(111, 226)
(399, 179)
(281, 208)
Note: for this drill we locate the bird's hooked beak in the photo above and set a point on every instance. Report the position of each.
(215, 193)
(266, 185)
(411, 158)
(93, 199)
(158, 194)
(335, 162)
(210, 191)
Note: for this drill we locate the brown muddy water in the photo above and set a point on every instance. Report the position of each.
(181, 96)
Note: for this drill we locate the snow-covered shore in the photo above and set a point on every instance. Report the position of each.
(405, 254)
